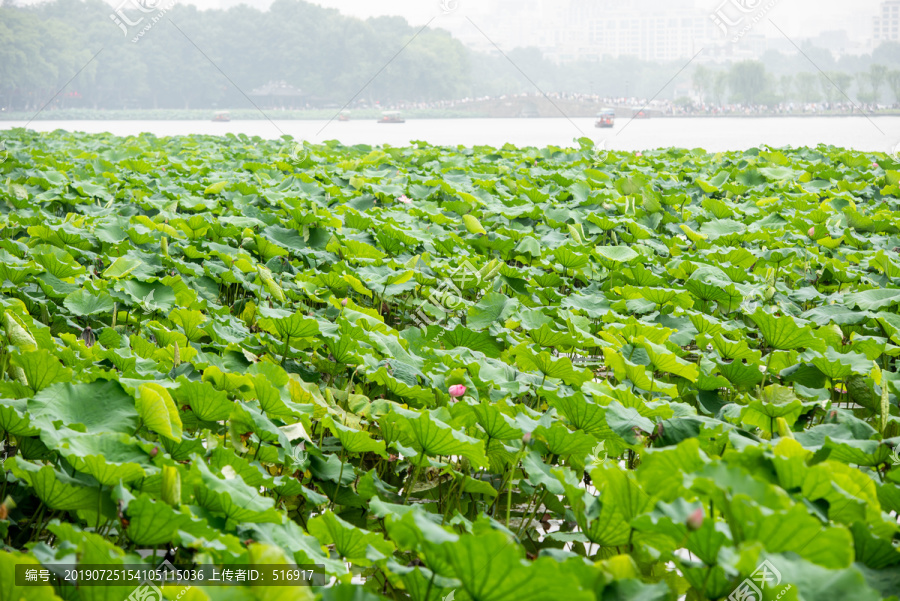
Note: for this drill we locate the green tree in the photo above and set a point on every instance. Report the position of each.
(864, 90)
(893, 81)
(720, 86)
(786, 87)
(747, 80)
(807, 87)
(702, 79)
(877, 75)
(834, 85)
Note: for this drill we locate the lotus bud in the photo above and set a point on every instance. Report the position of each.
(87, 334)
(154, 451)
(526, 438)
(171, 485)
(812, 232)
(783, 429)
(457, 390)
(6, 506)
(695, 520)
(344, 302)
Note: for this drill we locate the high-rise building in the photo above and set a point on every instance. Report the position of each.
(569, 30)
(886, 25)
(655, 32)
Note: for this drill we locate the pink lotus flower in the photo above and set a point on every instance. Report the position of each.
(405, 200)
(695, 520)
(457, 390)
(875, 165)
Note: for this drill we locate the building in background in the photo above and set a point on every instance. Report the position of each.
(663, 30)
(886, 24)
(653, 30)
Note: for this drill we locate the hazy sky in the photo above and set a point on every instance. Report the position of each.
(796, 17)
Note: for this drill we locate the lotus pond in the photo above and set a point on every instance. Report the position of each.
(480, 373)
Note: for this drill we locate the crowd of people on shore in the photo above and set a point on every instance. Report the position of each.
(682, 107)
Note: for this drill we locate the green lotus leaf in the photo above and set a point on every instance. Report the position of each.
(149, 297)
(432, 437)
(482, 342)
(564, 442)
(873, 300)
(101, 406)
(491, 569)
(14, 418)
(152, 522)
(121, 267)
(495, 424)
(354, 441)
(83, 303)
(617, 254)
(841, 365)
(233, 498)
(492, 308)
(207, 403)
(783, 333)
(349, 541)
(41, 369)
(794, 530)
(158, 412)
(294, 325)
(56, 489)
(109, 458)
(544, 363)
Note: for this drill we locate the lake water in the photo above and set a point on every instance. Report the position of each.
(875, 134)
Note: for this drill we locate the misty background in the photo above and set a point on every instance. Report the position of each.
(291, 54)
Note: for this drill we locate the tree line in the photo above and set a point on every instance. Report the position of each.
(158, 54)
(755, 83)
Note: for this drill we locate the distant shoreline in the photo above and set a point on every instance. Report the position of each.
(368, 115)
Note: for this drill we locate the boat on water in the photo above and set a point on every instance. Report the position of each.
(391, 117)
(343, 116)
(606, 118)
(221, 116)
(640, 114)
